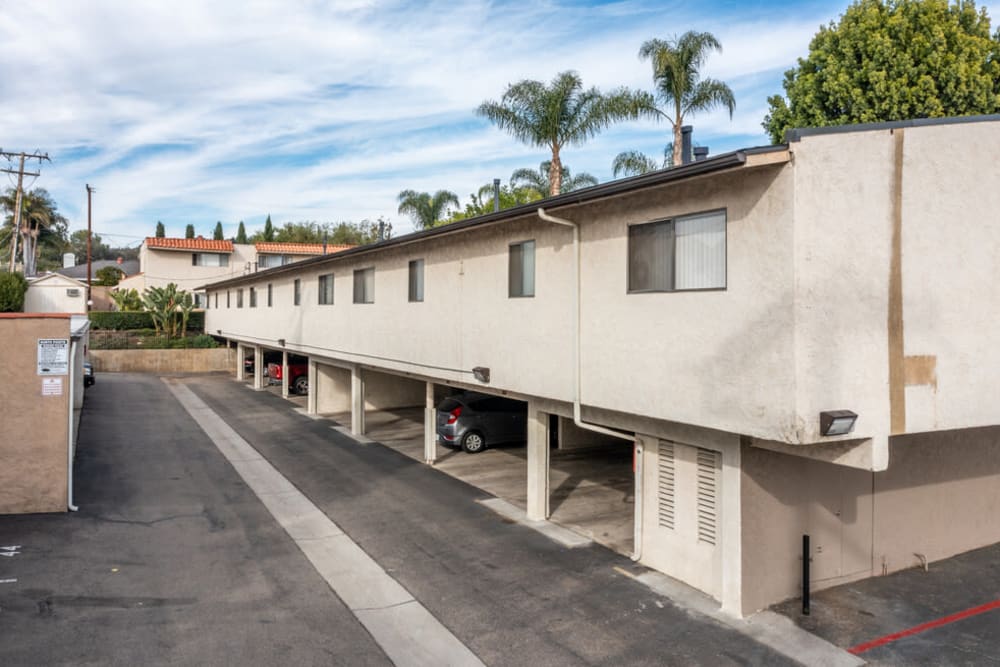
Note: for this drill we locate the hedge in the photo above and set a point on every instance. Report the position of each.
(12, 289)
(128, 320)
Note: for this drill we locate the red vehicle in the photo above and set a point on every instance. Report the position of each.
(298, 377)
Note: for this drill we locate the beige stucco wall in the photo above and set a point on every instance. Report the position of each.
(939, 497)
(385, 392)
(50, 295)
(161, 267)
(163, 361)
(34, 437)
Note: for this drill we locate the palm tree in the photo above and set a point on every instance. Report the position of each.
(425, 209)
(678, 85)
(634, 163)
(561, 114)
(541, 181)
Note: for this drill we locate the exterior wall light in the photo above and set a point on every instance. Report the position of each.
(218, 331)
(837, 422)
(482, 374)
(281, 342)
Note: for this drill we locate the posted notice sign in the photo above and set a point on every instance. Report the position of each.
(53, 356)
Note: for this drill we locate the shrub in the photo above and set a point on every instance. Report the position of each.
(204, 341)
(12, 289)
(121, 319)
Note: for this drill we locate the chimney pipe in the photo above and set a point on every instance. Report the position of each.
(496, 195)
(700, 153)
(324, 243)
(686, 144)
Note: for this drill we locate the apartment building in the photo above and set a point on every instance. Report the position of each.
(796, 339)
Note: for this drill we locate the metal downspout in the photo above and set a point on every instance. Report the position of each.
(577, 416)
(70, 445)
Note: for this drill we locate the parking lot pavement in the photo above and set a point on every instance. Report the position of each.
(170, 559)
(508, 593)
(947, 615)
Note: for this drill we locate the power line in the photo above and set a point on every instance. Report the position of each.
(29, 242)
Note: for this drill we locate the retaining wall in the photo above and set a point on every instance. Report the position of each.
(163, 361)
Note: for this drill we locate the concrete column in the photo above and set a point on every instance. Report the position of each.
(357, 401)
(258, 367)
(538, 464)
(240, 375)
(284, 375)
(430, 426)
(311, 399)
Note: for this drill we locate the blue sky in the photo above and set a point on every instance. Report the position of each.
(193, 112)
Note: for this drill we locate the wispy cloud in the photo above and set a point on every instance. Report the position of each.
(196, 112)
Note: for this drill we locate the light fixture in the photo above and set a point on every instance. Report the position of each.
(281, 342)
(482, 374)
(837, 422)
(218, 331)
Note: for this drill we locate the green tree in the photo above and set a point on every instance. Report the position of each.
(241, 233)
(892, 60)
(541, 183)
(426, 210)
(13, 287)
(679, 87)
(108, 275)
(634, 163)
(218, 235)
(127, 299)
(189, 232)
(268, 229)
(98, 249)
(561, 114)
(160, 230)
(481, 202)
(44, 233)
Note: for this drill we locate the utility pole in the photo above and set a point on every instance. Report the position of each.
(27, 247)
(90, 277)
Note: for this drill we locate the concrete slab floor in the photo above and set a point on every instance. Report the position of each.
(591, 490)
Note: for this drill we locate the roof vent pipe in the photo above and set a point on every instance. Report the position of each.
(686, 143)
(496, 195)
(700, 153)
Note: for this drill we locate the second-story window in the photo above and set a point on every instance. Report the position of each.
(228, 300)
(684, 253)
(253, 297)
(209, 259)
(521, 269)
(270, 295)
(364, 285)
(417, 280)
(326, 290)
(297, 292)
(216, 299)
(239, 298)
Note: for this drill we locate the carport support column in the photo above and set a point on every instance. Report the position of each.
(240, 373)
(430, 426)
(258, 367)
(357, 401)
(538, 464)
(284, 374)
(311, 398)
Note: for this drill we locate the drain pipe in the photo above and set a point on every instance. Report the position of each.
(577, 418)
(71, 440)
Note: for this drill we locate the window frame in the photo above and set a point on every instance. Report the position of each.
(411, 291)
(534, 268)
(229, 300)
(367, 298)
(239, 297)
(320, 280)
(297, 292)
(673, 219)
(270, 295)
(223, 259)
(253, 297)
(216, 300)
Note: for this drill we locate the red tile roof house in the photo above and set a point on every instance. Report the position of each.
(190, 263)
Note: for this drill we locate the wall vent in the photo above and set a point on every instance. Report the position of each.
(666, 485)
(708, 495)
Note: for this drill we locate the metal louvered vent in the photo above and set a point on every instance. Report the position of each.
(666, 485)
(708, 484)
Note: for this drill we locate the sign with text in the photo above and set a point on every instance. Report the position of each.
(53, 356)
(52, 387)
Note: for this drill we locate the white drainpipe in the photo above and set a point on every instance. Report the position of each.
(577, 418)
(70, 444)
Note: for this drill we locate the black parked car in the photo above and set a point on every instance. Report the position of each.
(473, 421)
(88, 374)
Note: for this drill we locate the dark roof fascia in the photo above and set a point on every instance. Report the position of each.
(720, 162)
(796, 134)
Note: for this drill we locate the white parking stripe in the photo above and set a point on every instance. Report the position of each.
(407, 632)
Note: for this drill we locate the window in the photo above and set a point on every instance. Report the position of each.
(364, 285)
(209, 259)
(227, 299)
(270, 295)
(216, 299)
(253, 297)
(239, 298)
(199, 300)
(326, 290)
(297, 287)
(271, 261)
(417, 280)
(521, 269)
(686, 253)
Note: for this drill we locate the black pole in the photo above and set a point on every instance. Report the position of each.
(805, 575)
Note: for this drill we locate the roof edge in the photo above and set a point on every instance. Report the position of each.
(796, 134)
